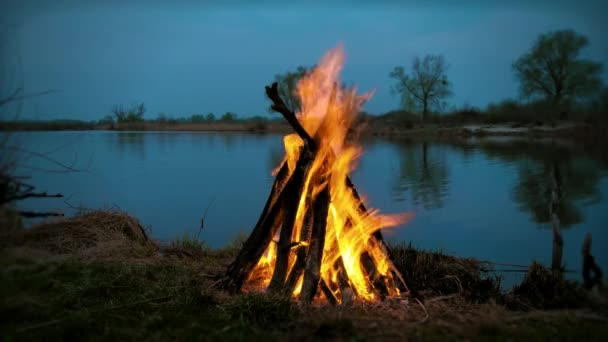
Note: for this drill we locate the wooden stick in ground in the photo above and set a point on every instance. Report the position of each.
(558, 241)
(290, 209)
(312, 273)
(589, 266)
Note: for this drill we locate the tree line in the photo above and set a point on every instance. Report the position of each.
(551, 74)
(552, 78)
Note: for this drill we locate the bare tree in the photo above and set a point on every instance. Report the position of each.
(13, 188)
(426, 86)
(133, 114)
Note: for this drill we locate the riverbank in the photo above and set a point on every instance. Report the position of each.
(565, 130)
(100, 275)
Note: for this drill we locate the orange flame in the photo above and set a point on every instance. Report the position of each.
(328, 113)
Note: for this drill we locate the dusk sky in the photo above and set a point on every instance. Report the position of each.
(183, 58)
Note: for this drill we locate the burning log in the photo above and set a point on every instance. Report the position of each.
(296, 186)
(329, 244)
(312, 273)
(259, 239)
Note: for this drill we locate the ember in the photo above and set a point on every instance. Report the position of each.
(315, 238)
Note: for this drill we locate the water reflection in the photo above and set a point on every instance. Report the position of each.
(423, 174)
(477, 198)
(131, 143)
(578, 178)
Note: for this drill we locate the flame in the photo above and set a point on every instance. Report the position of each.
(328, 113)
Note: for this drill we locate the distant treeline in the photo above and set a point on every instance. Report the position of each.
(47, 125)
(507, 111)
(555, 84)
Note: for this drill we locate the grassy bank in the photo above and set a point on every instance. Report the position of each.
(100, 276)
(383, 126)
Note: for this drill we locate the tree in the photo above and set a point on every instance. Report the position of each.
(134, 114)
(162, 118)
(427, 85)
(228, 116)
(210, 117)
(553, 70)
(107, 120)
(288, 83)
(197, 118)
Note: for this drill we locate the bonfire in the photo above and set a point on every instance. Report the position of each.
(315, 239)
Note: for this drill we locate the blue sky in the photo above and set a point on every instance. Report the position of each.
(191, 57)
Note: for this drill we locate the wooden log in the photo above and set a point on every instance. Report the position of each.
(377, 234)
(331, 298)
(278, 105)
(290, 209)
(260, 237)
(312, 272)
(373, 275)
(343, 283)
(302, 251)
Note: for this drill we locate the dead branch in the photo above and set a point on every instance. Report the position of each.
(33, 214)
(278, 105)
(30, 195)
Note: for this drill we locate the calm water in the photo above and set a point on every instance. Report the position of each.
(485, 199)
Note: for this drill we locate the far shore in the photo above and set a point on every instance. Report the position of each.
(567, 130)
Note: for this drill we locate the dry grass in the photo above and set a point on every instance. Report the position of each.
(435, 274)
(540, 289)
(98, 234)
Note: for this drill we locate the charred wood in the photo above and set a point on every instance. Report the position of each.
(260, 237)
(290, 208)
(312, 272)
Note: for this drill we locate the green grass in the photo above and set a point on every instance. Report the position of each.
(69, 299)
(169, 294)
(188, 242)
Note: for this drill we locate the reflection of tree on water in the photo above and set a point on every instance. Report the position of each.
(423, 173)
(228, 139)
(131, 142)
(578, 178)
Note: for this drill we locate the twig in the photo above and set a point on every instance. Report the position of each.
(440, 298)
(426, 318)
(15, 96)
(503, 264)
(31, 195)
(44, 157)
(32, 214)
(203, 219)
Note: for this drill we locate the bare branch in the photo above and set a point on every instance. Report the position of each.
(33, 214)
(278, 105)
(31, 195)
